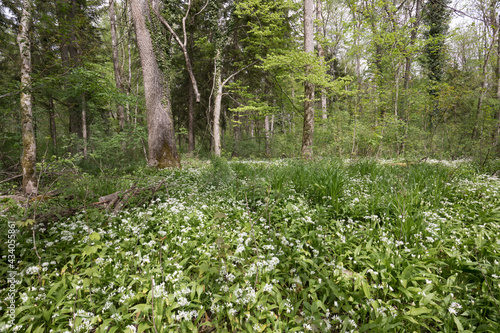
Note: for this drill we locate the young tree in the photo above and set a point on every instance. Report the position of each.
(28, 162)
(161, 136)
(308, 131)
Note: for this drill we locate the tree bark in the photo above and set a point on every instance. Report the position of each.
(321, 54)
(161, 136)
(497, 76)
(52, 124)
(28, 161)
(84, 126)
(413, 38)
(216, 143)
(308, 130)
(267, 136)
(116, 66)
(191, 120)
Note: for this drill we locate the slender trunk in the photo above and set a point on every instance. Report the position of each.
(267, 136)
(237, 132)
(479, 131)
(321, 55)
(396, 98)
(308, 129)
(216, 144)
(190, 119)
(52, 124)
(28, 161)
(272, 119)
(136, 109)
(129, 77)
(116, 66)
(413, 38)
(252, 127)
(498, 85)
(183, 45)
(161, 136)
(129, 80)
(84, 126)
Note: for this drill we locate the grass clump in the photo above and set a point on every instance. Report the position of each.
(272, 246)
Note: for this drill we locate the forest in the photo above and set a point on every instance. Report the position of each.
(249, 166)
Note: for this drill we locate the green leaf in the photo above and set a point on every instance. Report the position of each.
(141, 308)
(366, 289)
(90, 249)
(143, 327)
(220, 215)
(459, 324)
(418, 311)
(95, 236)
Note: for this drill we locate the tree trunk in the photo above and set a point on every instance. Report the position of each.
(413, 38)
(237, 131)
(129, 74)
(116, 66)
(28, 162)
(308, 131)
(216, 144)
(267, 136)
(497, 74)
(321, 54)
(161, 136)
(190, 119)
(52, 124)
(84, 126)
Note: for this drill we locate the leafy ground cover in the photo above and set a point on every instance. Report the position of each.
(280, 246)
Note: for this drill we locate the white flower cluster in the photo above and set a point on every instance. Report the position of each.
(454, 307)
(32, 270)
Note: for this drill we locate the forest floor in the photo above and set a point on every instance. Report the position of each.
(260, 246)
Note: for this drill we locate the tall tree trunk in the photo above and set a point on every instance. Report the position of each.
(161, 136)
(413, 38)
(497, 75)
(308, 131)
(480, 122)
(190, 119)
(66, 15)
(52, 124)
(237, 132)
(216, 131)
(192, 95)
(28, 161)
(321, 54)
(116, 66)
(84, 126)
(267, 134)
(129, 58)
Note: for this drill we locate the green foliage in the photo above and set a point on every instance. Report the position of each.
(275, 246)
(436, 17)
(325, 245)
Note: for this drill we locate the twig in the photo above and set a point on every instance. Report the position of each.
(16, 176)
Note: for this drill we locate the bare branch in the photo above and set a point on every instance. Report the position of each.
(183, 48)
(202, 9)
(238, 72)
(10, 94)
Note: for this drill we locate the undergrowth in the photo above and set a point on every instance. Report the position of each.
(280, 246)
